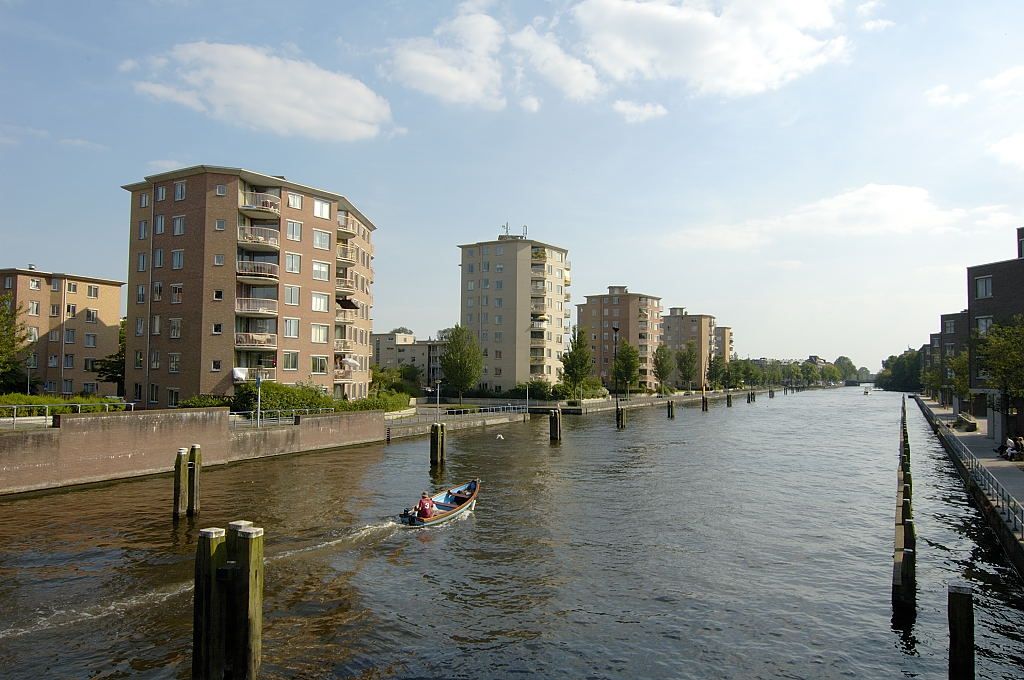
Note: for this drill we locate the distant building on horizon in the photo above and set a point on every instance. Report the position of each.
(392, 350)
(72, 320)
(638, 319)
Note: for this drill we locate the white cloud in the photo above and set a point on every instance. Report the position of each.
(866, 9)
(1009, 150)
(638, 113)
(743, 48)
(83, 144)
(577, 79)
(252, 87)
(877, 25)
(127, 65)
(459, 65)
(530, 104)
(870, 210)
(1007, 83)
(941, 95)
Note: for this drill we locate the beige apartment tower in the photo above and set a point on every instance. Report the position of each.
(515, 298)
(638, 319)
(723, 343)
(234, 274)
(72, 321)
(679, 328)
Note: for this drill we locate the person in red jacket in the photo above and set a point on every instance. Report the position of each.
(426, 507)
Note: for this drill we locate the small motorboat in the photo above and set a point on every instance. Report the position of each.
(450, 503)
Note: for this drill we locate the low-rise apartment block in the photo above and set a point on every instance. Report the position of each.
(392, 350)
(235, 274)
(679, 328)
(634, 318)
(72, 321)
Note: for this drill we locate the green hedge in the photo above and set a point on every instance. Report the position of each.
(91, 404)
(205, 401)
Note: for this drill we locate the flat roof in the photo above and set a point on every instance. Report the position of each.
(252, 177)
(65, 275)
(532, 242)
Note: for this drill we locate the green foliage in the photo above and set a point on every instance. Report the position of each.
(93, 403)
(863, 374)
(810, 372)
(831, 373)
(205, 401)
(384, 379)
(900, 373)
(577, 362)
(847, 370)
(716, 371)
(686, 365)
(1001, 354)
(931, 379)
(110, 369)
(626, 369)
(540, 389)
(773, 372)
(462, 360)
(664, 365)
(961, 381)
(13, 335)
(402, 329)
(278, 397)
(386, 401)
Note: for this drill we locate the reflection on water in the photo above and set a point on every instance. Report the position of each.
(753, 541)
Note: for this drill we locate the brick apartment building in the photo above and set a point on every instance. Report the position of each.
(638, 319)
(679, 328)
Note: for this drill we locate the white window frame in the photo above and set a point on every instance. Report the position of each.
(321, 208)
(293, 227)
(326, 237)
(320, 302)
(323, 269)
(289, 354)
(287, 294)
(290, 327)
(318, 364)
(289, 259)
(177, 259)
(179, 190)
(178, 225)
(321, 330)
(294, 200)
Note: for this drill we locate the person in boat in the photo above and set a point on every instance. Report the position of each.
(426, 506)
(460, 497)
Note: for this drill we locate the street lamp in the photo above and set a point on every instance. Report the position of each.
(259, 389)
(615, 358)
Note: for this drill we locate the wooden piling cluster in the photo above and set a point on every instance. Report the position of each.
(620, 418)
(437, 436)
(671, 409)
(728, 400)
(904, 571)
(188, 465)
(227, 615)
(555, 424)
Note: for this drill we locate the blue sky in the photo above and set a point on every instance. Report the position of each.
(815, 173)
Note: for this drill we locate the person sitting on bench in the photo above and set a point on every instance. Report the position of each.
(460, 497)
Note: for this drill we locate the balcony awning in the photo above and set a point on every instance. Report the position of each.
(349, 362)
(346, 303)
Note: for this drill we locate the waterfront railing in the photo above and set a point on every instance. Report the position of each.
(445, 413)
(22, 415)
(244, 419)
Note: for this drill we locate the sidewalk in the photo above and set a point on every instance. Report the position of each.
(1009, 474)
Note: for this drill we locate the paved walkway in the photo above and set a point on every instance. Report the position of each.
(1009, 473)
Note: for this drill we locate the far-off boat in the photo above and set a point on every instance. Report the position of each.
(450, 503)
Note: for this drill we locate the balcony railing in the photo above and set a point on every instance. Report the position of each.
(259, 236)
(539, 255)
(539, 325)
(344, 375)
(348, 226)
(347, 254)
(261, 340)
(536, 358)
(344, 315)
(248, 374)
(538, 309)
(268, 270)
(537, 342)
(255, 306)
(343, 345)
(345, 284)
(254, 200)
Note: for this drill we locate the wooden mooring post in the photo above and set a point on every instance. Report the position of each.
(620, 418)
(671, 409)
(227, 615)
(181, 483)
(960, 603)
(437, 436)
(704, 404)
(728, 400)
(555, 424)
(195, 467)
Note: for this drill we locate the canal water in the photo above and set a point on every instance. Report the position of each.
(747, 542)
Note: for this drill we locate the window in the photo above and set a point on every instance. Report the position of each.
(220, 225)
(33, 333)
(174, 328)
(158, 258)
(154, 358)
(8, 282)
(158, 224)
(498, 319)
(51, 361)
(144, 200)
(321, 271)
(137, 391)
(217, 328)
(89, 365)
(319, 332)
(173, 362)
(178, 225)
(33, 284)
(32, 361)
(33, 308)
(983, 287)
(69, 361)
(295, 200)
(143, 229)
(221, 190)
(318, 365)
(949, 349)
(292, 262)
(949, 326)
(294, 230)
(154, 324)
(90, 339)
(68, 386)
(140, 293)
(177, 259)
(140, 326)
(69, 336)
(55, 285)
(218, 260)
(154, 394)
(215, 365)
(158, 291)
(72, 287)
(321, 209)
(291, 328)
(289, 360)
(983, 324)
(291, 295)
(320, 301)
(179, 191)
(54, 310)
(470, 285)
(161, 193)
(172, 396)
(218, 295)
(322, 240)
(141, 262)
(470, 268)
(92, 315)
(71, 310)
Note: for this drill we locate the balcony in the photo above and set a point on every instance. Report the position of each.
(262, 239)
(567, 278)
(537, 290)
(343, 345)
(241, 374)
(348, 227)
(250, 271)
(537, 273)
(259, 307)
(536, 359)
(259, 205)
(344, 316)
(537, 342)
(538, 325)
(538, 309)
(567, 265)
(539, 255)
(567, 313)
(347, 256)
(568, 297)
(344, 375)
(256, 340)
(345, 285)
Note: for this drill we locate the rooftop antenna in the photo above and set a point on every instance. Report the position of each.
(524, 231)
(505, 227)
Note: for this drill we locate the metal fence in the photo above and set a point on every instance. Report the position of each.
(40, 415)
(247, 419)
(444, 414)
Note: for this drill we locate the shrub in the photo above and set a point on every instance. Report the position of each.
(277, 397)
(205, 401)
(385, 401)
(91, 404)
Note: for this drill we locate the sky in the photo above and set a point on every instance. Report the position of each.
(817, 174)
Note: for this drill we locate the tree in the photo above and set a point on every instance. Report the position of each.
(931, 380)
(773, 373)
(462, 360)
(411, 373)
(961, 381)
(792, 373)
(716, 370)
(664, 364)
(831, 373)
(847, 370)
(810, 372)
(110, 369)
(444, 333)
(686, 364)
(1001, 355)
(577, 362)
(13, 334)
(402, 329)
(863, 374)
(384, 378)
(900, 373)
(626, 369)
